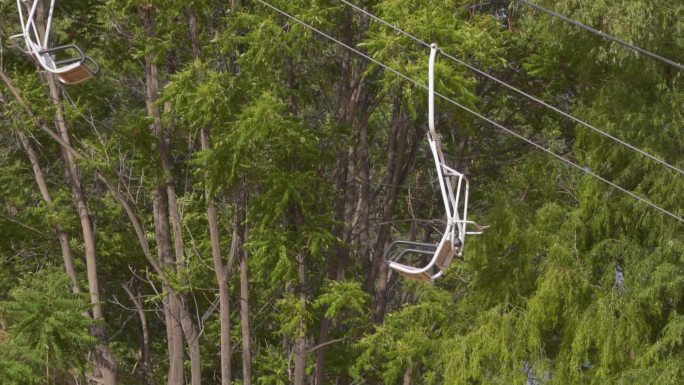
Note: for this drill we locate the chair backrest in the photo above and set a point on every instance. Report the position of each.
(446, 250)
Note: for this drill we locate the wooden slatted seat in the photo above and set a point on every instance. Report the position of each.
(419, 276)
(76, 75)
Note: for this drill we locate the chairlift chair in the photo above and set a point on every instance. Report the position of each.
(454, 188)
(67, 62)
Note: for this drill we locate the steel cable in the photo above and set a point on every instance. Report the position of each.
(477, 114)
(519, 91)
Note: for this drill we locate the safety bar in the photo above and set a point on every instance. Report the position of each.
(82, 59)
(60, 48)
(431, 248)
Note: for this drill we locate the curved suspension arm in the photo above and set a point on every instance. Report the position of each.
(431, 91)
(29, 28)
(453, 186)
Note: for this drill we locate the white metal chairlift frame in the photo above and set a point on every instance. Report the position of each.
(451, 184)
(69, 71)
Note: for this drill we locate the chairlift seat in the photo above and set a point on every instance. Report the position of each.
(441, 256)
(417, 276)
(76, 74)
(446, 250)
(73, 70)
(454, 190)
(76, 68)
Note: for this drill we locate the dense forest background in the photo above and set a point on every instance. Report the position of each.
(214, 206)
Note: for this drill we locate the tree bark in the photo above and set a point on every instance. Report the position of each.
(221, 277)
(67, 254)
(395, 162)
(407, 376)
(172, 308)
(152, 89)
(301, 350)
(241, 225)
(73, 179)
(353, 108)
(148, 370)
(174, 332)
(212, 220)
(104, 360)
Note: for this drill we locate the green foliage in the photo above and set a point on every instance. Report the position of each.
(339, 297)
(273, 367)
(537, 294)
(47, 328)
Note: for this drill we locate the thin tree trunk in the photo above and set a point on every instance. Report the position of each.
(73, 178)
(395, 162)
(67, 254)
(187, 322)
(161, 201)
(241, 202)
(352, 97)
(407, 376)
(344, 216)
(152, 89)
(148, 370)
(220, 270)
(301, 348)
(221, 277)
(105, 361)
(244, 320)
(364, 194)
(174, 332)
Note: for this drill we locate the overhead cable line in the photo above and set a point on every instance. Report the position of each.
(471, 111)
(515, 89)
(602, 34)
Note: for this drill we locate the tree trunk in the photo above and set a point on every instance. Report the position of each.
(212, 220)
(63, 237)
(104, 360)
(407, 376)
(172, 312)
(352, 98)
(174, 332)
(221, 277)
(73, 179)
(148, 370)
(152, 89)
(244, 320)
(241, 217)
(301, 348)
(395, 162)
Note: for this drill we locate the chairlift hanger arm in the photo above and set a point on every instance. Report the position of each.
(454, 188)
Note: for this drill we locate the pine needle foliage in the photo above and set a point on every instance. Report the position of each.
(48, 329)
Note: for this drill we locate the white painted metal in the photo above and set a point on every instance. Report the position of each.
(73, 70)
(453, 186)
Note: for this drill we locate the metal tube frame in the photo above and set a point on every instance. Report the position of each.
(453, 186)
(39, 48)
